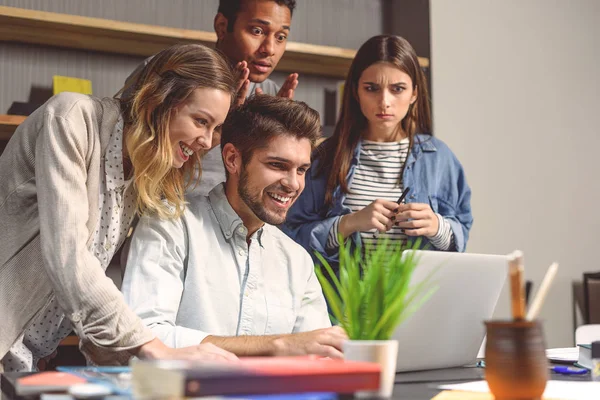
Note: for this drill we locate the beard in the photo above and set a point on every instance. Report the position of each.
(252, 199)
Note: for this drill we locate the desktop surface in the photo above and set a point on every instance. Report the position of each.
(422, 385)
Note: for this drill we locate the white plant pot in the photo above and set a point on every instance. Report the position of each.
(383, 352)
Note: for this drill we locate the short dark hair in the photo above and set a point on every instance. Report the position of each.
(262, 117)
(230, 9)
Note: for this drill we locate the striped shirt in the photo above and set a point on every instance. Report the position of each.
(378, 176)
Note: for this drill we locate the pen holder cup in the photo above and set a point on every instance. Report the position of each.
(515, 360)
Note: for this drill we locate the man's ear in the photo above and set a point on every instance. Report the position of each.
(220, 26)
(232, 159)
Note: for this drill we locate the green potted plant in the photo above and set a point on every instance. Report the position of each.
(369, 297)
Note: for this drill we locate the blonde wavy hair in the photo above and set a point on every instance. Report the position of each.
(147, 101)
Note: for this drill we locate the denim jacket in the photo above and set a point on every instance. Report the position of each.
(434, 175)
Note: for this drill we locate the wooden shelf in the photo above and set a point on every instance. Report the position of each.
(85, 33)
(8, 124)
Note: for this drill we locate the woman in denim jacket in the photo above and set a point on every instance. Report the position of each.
(381, 147)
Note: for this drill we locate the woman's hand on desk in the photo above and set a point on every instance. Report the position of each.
(156, 349)
(417, 219)
(377, 215)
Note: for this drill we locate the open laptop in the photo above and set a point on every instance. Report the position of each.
(447, 330)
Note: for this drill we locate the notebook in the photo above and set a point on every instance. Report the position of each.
(18, 385)
(584, 359)
(253, 375)
(563, 355)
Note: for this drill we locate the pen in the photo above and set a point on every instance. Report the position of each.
(400, 199)
(403, 195)
(568, 370)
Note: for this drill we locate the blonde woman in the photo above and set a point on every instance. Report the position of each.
(71, 180)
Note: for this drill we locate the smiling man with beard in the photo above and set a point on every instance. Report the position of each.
(223, 273)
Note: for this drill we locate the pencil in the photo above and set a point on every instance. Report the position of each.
(517, 292)
(540, 296)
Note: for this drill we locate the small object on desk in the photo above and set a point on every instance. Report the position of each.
(252, 375)
(400, 200)
(89, 391)
(564, 390)
(563, 355)
(285, 396)
(460, 395)
(540, 296)
(564, 370)
(515, 357)
(16, 385)
(596, 361)
(584, 360)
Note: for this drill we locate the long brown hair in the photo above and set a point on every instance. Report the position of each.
(165, 82)
(335, 154)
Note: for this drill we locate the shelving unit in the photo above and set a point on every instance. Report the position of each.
(8, 124)
(116, 37)
(96, 34)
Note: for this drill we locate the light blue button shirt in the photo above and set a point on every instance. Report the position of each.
(197, 276)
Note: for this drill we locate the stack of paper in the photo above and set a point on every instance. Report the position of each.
(564, 390)
(563, 355)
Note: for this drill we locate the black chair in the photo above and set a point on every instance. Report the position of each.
(591, 298)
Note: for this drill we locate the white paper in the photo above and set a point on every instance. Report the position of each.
(568, 390)
(566, 354)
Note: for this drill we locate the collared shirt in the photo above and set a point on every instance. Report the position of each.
(198, 275)
(116, 209)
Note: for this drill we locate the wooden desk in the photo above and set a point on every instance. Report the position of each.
(422, 385)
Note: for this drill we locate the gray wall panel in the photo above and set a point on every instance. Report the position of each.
(343, 23)
(23, 67)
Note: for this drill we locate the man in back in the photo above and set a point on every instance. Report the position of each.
(252, 34)
(224, 273)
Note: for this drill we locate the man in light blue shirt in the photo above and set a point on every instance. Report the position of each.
(223, 273)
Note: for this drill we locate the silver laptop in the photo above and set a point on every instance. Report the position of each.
(447, 330)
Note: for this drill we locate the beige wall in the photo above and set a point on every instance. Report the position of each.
(517, 97)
